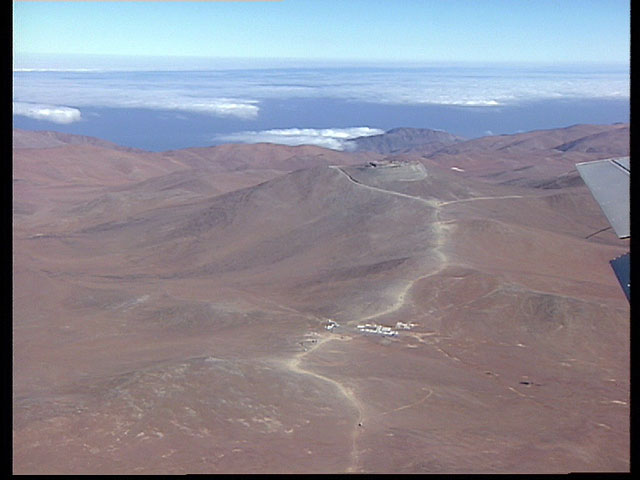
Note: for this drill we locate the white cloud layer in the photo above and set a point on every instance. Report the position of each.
(220, 107)
(131, 90)
(333, 138)
(49, 113)
(238, 93)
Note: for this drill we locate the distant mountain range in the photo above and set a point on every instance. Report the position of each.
(48, 139)
(403, 140)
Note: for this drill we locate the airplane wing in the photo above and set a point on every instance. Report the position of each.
(622, 268)
(608, 181)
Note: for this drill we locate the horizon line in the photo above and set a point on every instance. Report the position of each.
(29, 58)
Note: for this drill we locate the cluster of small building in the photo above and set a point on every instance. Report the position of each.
(379, 329)
(405, 326)
(374, 328)
(382, 330)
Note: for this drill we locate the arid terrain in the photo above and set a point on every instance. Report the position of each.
(446, 306)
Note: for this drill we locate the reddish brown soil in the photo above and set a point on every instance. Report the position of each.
(170, 310)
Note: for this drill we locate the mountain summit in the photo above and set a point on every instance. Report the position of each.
(402, 140)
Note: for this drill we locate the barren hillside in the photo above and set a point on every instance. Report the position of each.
(267, 309)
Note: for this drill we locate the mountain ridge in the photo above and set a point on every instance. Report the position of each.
(404, 139)
(266, 308)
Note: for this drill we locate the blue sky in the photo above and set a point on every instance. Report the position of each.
(547, 31)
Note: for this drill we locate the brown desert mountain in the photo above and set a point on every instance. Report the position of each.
(273, 309)
(47, 139)
(402, 140)
(531, 158)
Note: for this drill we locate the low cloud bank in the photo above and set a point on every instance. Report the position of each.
(220, 107)
(49, 113)
(239, 93)
(154, 91)
(333, 138)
